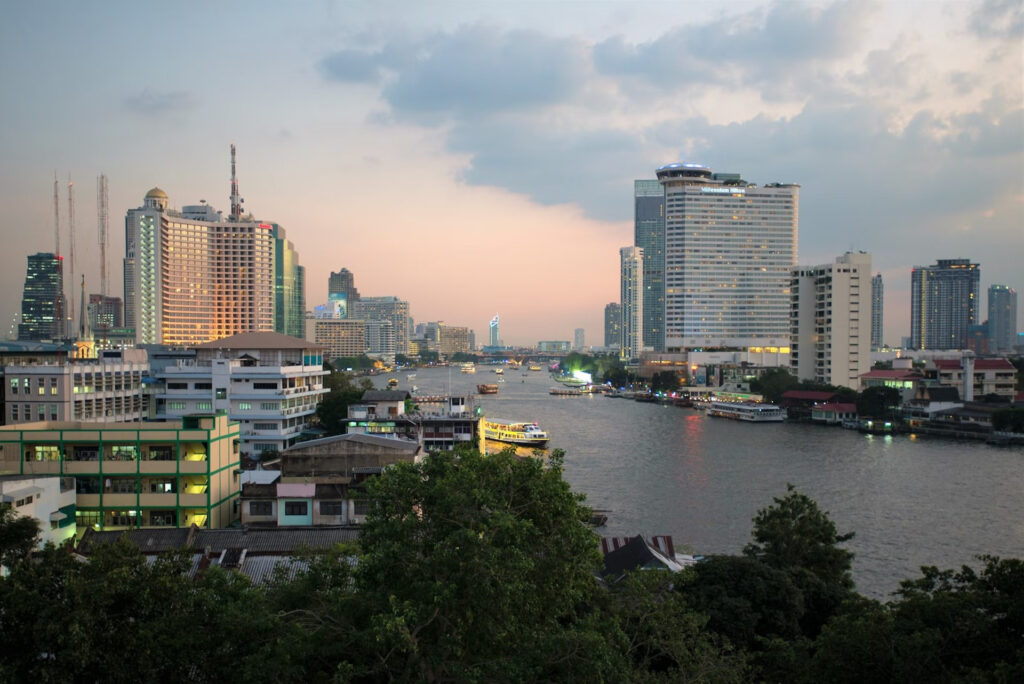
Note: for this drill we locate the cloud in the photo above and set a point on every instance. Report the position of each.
(998, 19)
(154, 104)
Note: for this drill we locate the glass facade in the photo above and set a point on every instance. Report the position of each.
(649, 235)
(42, 303)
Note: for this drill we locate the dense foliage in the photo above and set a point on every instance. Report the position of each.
(343, 389)
(474, 568)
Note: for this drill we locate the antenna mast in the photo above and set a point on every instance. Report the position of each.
(236, 201)
(101, 229)
(56, 216)
(71, 245)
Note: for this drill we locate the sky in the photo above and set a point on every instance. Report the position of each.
(478, 158)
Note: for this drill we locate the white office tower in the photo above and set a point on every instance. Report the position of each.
(831, 321)
(729, 249)
(632, 301)
(386, 309)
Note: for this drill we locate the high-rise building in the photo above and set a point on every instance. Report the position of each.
(340, 337)
(829, 331)
(632, 300)
(380, 339)
(452, 339)
(105, 312)
(577, 339)
(386, 309)
(193, 276)
(729, 249)
(943, 303)
(613, 325)
(495, 333)
(42, 302)
(877, 312)
(1002, 318)
(342, 292)
(649, 235)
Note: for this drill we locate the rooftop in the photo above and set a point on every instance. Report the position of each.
(259, 340)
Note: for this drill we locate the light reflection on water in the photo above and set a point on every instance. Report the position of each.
(666, 470)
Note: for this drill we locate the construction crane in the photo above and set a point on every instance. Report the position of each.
(102, 224)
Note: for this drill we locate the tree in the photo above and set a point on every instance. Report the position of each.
(878, 402)
(343, 390)
(481, 568)
(773, 384)
(19, 534)
(796, 536)
(665, 381)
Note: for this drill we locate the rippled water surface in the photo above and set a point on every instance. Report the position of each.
(666, 470)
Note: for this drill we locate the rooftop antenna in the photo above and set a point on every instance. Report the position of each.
(236, 201)
(71, 246)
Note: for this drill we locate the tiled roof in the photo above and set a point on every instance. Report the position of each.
(979, 364)
(395, 443)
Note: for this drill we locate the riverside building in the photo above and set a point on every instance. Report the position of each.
(1002, 318)
(729, 249)
(386, 309)
(649, 235)
(632, 301)
(877, 312)
(831, 327)
(943, 304)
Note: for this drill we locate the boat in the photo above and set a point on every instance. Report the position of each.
(566, 392)
(468, 367)
(487, 389)
(748, 411)
(392, 383)
(535, 368)
(525, 434)
(410, 376)
(569, 381)
(499, 371)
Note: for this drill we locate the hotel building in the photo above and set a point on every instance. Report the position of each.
(173, 474)
(612, 325)
(631, 261)
(339, 337)
(877, 312)
(269, 383)
(943, 304)
(729, 249)
(831, 327)
(649, 235)
(386, 309)
(191, 276)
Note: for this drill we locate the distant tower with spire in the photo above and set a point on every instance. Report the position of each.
(85, 344)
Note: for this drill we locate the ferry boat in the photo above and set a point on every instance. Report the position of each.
(566, 392)
(468, 367)
(535, 368)
(392, 383)
(569, 381)
(487, 389)
(525, 434)
(747, 411)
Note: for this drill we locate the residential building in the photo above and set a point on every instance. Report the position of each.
(452, 340)
(578, 340)
(43, 305)
(649, 235)
(631, 262)
(1002, 318)
(269, 383)
(494, 331)
(341, 337)
(830, 326)
(380, 339)
(107, 389)
(438, 423)
(289, 287)
(342, 292)
(47, 498)
(172, 474)
(729, 249)
(943, 303)
(613, 325)
(386, 309)
(988, 376)
(877, 312)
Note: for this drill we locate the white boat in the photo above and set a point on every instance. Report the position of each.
(499, 371)
(468, 367)
(748, 411)
(525, 434)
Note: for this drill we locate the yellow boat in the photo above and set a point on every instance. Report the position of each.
(525, 434)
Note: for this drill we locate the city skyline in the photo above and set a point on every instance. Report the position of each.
(902, 126)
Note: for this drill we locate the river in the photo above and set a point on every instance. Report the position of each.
(667, 470)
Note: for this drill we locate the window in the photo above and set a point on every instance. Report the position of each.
(331, 507)
(264, 385)
(14, 385)
(53, 385)
(261, 508)
(14, 412)
(204, 385)
(175, 406)
(204, 406)
(53, 412)
(164, 518)
(269, 406)
(245, 406)
(123, 452)
(161, 453)
(362, 506)
(177, 385)
(47, 453)
(295, 507)
(221, 393)
(264, 426)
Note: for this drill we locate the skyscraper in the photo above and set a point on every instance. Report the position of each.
(1002, 318)
(829, 335)
(495, 332)
(386, 309)
(342, 292)
(105, 312)
(943, 303)
(613, 325)
(632, 300)
(289, 287)
(43, 305)
(649, 235)
(577, 339)
(877, 312)
(729, 249)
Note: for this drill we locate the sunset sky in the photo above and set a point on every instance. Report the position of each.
(478, 158)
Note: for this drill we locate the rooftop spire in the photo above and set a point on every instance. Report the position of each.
(236, 201)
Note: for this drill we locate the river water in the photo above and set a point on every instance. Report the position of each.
(667, 470)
